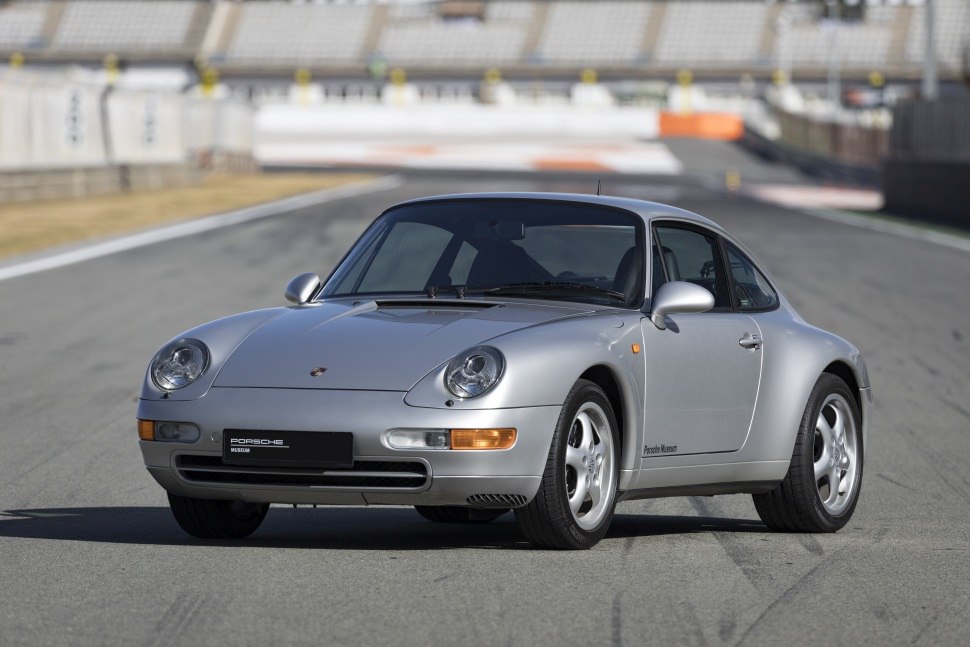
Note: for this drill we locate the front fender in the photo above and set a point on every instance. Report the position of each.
(543, 363)
(222, 337)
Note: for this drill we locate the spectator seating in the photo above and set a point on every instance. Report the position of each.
(415, 34)
(124, 25)
(952, 32)
(299, 34)
(711, 33)
(21, 25)
(593, 33)
(647, 37)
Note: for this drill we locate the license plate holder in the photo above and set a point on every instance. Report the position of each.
(272, 448)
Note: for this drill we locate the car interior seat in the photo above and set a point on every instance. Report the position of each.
(670, 260)
(499, 262)
(624, 280)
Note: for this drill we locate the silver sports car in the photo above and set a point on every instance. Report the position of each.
(549, 354)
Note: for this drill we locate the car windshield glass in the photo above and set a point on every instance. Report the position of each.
(540, 249)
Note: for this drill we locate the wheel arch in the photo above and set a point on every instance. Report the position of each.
(857, 378)
(842, 370)
(797, 356)
(624, 410)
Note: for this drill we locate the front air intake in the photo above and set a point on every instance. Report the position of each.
(364, 475)
(497, 500)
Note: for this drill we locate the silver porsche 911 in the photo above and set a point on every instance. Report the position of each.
(549, 354)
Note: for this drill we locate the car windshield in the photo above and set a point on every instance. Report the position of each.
(540, 249)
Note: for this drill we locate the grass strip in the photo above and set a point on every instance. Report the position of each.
(33, 226)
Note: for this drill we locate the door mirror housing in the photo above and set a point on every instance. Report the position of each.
(678, 297)
(303, 288)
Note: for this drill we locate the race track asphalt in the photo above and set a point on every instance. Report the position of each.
(89, 553)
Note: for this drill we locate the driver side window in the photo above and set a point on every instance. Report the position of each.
(751, 288)
(688, 255)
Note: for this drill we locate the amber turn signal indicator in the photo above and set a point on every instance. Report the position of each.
(635, 348)
(482, 438)
(146, 429)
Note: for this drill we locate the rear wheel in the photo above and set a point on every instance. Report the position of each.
(574, 506)
(456, 514)
(213, 519)
(821, 489)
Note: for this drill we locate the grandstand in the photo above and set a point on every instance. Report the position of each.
(952, 33)
(22, 26)
(633, 39)
(160, 31)
(417, 34)
(694, 35)
(127, 26)
(301, 35)
(604, 34)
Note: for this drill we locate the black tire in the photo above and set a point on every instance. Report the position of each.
(212, 519)
(796, 504)
(547, 521)
(456, 514)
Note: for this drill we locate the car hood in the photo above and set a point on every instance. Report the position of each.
(387, 345)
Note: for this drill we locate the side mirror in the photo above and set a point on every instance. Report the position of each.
(303, 288)
(679, 297)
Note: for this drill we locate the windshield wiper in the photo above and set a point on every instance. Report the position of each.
(554, 287)
(433, 290)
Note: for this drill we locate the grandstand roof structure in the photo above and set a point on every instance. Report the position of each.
(523, 38)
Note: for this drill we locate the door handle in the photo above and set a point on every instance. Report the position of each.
(750, 341)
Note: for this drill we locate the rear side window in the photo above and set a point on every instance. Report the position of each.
(751, 289)
(689, 255)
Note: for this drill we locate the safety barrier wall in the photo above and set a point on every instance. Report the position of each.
(843, 143)
(932, 130)
(218, 125)
(928, 190)
(46, 124)
(83, 181)
(146, 127)
(928, 168)
(57, 122)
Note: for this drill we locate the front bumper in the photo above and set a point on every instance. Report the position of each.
(481, 478)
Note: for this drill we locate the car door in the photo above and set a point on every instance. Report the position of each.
(703, 371)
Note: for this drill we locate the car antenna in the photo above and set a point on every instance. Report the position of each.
(598, 187)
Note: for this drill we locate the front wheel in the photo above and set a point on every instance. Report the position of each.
(213, 519)
(574, 506)
(821, 489)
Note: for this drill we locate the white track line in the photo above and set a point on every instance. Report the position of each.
(888, 227)
(97, 250)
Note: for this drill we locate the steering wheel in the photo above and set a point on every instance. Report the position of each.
(744, 296)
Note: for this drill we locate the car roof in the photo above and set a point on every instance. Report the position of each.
(645, 209)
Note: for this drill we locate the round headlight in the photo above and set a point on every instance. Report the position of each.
(474, 372)
(179, 364)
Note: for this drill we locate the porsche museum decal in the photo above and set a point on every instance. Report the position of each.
(649, 450)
